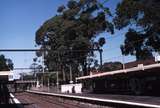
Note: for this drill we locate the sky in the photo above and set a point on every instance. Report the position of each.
(20, 19)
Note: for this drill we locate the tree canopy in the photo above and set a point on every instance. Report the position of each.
(143, 19)
(70, 35)
(5, 64)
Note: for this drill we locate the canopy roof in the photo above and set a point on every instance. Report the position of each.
(122, 71)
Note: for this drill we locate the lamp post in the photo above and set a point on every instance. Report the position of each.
(70, 68)
(43, 68)
(70, 73)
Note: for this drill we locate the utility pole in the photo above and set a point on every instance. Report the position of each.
(57, 81)
(70, 68)
(48, 82)
(70, 72)
(43, 68)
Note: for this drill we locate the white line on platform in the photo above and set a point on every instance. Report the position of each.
(15, 100)
(99, 99)
(11, 95)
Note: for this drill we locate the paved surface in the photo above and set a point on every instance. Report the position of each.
(138, 99)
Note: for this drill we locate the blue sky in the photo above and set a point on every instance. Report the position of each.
(19, 20)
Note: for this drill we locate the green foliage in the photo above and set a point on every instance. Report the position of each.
(143, 16)
(5, 64)
(71, 34)
(133, 45)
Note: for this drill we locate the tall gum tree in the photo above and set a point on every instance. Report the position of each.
(142, 17)
(69, 35)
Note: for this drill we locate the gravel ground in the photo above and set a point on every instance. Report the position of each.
(39, 101)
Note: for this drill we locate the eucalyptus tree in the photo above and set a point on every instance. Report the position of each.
(142, 17)
(70, 35)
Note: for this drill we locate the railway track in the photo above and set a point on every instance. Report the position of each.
(40, 99)
(58, 102)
